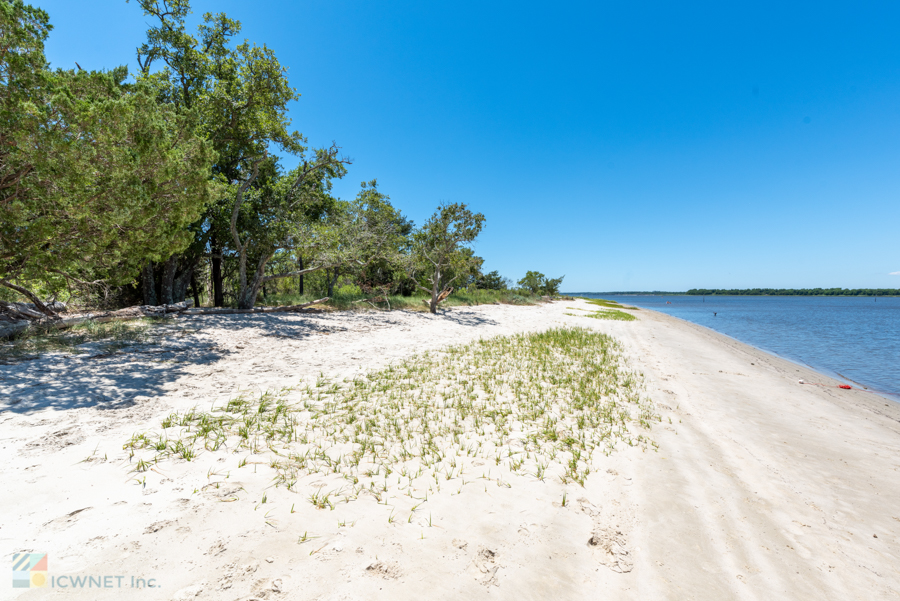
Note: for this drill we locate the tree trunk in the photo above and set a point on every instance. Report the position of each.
(216, 275)
(167, 286)
(148, 284)
(248, 290)
(439, 291)
(435, 290)
(332, 280)
(195, 289)
(300, 266)
(180, 286)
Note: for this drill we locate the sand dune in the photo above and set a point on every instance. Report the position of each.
(752, 486)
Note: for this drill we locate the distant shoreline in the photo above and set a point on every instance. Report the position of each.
(825, 292)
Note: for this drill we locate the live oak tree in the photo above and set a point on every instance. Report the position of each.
(385, 271)
(353, 236)
(492, 281)
(272, 218)
(95, 175)
(537, 283)
(441, 250)
(242, 93)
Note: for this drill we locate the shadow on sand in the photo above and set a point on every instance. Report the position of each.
(107, 378)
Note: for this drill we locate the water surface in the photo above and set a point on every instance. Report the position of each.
(856, 338)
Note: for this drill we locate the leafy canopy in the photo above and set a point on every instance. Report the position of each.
(96, 175)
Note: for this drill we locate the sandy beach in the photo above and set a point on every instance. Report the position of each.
(747, 485)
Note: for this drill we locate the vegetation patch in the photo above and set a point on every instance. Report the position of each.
(542, 405)
(113, 335)
(600, 302)
(613, 315)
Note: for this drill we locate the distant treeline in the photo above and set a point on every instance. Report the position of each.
(631, 293)
(797, 292)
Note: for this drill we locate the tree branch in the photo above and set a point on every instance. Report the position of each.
(32, 297)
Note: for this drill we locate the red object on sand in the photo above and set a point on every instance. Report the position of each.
(845, 387)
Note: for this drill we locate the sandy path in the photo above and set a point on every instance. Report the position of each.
(762, 488)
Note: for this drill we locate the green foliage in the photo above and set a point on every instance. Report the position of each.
(104, 181)
(241, 94)
(384, 269)
(95, 175)
(537, 283)
(491, 281)
(600, 302)
(441, 252)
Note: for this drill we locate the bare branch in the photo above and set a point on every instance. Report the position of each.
(32, 297)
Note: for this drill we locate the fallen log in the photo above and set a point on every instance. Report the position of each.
(19, 311)
(19, 327)
(284, 309)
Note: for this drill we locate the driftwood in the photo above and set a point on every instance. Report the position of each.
(217, 311)
(15, 328)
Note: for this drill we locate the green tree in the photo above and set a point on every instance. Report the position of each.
(242, 94)
(95, 175)
(441, 252)
(491, 281)
(551, 286)
(533, 281)
(537, 283)
(354, 235)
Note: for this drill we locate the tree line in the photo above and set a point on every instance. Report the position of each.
(796, 292)
(151, 186)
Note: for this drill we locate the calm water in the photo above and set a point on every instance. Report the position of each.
(855, 337)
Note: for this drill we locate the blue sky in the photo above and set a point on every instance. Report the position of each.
(629, 146)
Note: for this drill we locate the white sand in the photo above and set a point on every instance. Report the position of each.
(762, 488)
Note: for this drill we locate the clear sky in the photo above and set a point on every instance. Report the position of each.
(627, 145)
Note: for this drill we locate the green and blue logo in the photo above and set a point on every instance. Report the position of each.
(29, 570)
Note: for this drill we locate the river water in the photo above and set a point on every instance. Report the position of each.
(851, 338)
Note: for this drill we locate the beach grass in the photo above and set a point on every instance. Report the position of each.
(540, 405)
(612, 314)
(113, 335)
(601, 302)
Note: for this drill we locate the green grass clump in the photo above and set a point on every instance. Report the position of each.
(613, 315)
(542, 404)
(601, 302)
